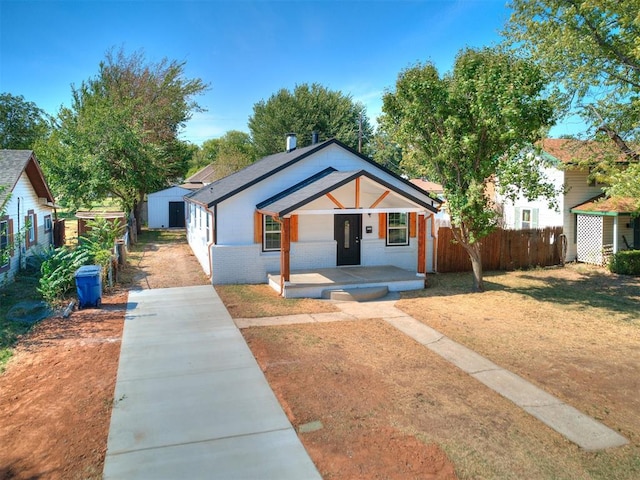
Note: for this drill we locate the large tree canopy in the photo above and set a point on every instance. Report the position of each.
(307, 109)
(22, 123)
(468, 127)
(591, 49)
(228, 154)
(120, 135)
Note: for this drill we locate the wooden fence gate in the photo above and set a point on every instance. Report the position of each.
(503, 250)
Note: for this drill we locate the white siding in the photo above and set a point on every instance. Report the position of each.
(158, 205)
(578, 191)
(198, 236)
(545, 216)
(23, 199)
(235, 215)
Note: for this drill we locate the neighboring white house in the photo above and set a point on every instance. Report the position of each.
(166, 208)
(29, 213)
(320, 206)
(589, 229)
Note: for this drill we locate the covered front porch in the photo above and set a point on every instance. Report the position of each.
(352, 282)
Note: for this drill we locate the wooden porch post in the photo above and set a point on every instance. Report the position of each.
(285, 250)
(422, 244)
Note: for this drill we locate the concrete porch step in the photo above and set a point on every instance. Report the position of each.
(356, 294)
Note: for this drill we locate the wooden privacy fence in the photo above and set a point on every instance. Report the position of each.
(503, 250)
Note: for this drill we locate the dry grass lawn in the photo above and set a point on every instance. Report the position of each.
(573, 331)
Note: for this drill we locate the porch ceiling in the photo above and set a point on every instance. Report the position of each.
(345, 191)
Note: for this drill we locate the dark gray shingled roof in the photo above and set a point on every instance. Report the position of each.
(12, 164)
(318, 185)
(204, 175)
(228, 186)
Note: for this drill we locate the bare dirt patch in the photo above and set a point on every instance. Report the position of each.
(56, 393)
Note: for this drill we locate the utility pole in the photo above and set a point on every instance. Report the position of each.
(360, 133)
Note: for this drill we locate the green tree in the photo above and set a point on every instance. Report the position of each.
(307, 109)
(591, 49)
(203, 156)
(120, 135)
(228, 154)
(385, 151)
(465, 129)
(235, 151)
(22, 123)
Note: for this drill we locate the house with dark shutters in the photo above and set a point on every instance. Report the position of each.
(28, 222)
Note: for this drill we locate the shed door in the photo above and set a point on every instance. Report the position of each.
(176, 214)
(636, 233)
(347, 233)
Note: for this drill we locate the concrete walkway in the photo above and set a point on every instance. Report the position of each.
(564, 419)
(190, 399)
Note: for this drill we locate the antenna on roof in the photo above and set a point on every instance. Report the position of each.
(360, 133)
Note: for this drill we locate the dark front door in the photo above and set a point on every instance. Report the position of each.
(347, 232)
(176, 214)
(636, 233)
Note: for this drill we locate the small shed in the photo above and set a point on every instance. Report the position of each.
(165, 209)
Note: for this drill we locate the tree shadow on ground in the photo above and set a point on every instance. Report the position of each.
(615, 293)
(592, 288)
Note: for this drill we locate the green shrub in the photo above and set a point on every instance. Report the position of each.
(95, 247)
(58, 272)
(626, 262)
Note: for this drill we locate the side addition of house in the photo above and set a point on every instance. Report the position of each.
(321, 206)
(592, 224)
(30, 209)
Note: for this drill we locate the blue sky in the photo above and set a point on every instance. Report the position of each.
(245, 50)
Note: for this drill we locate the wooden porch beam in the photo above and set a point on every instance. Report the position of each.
(422, 244)
(285, 252)
(334, 200)
(380, 199)
(358, 192)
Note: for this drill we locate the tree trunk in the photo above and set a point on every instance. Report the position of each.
(137, 214)
(476, 264)
(473, 249)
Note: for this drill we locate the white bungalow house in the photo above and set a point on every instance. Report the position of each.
(324, 206)
(591, 228)
(30, 213)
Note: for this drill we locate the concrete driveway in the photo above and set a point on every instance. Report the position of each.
(190, 399)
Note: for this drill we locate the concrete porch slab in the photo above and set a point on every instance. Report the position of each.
(312, 283)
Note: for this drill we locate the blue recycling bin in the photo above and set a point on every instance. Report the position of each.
(89, 286)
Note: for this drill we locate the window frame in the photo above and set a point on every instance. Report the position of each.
(265, 233)
(523, 221)
(48, 224)
(401, 227)
(5, 233)
(32, 230)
